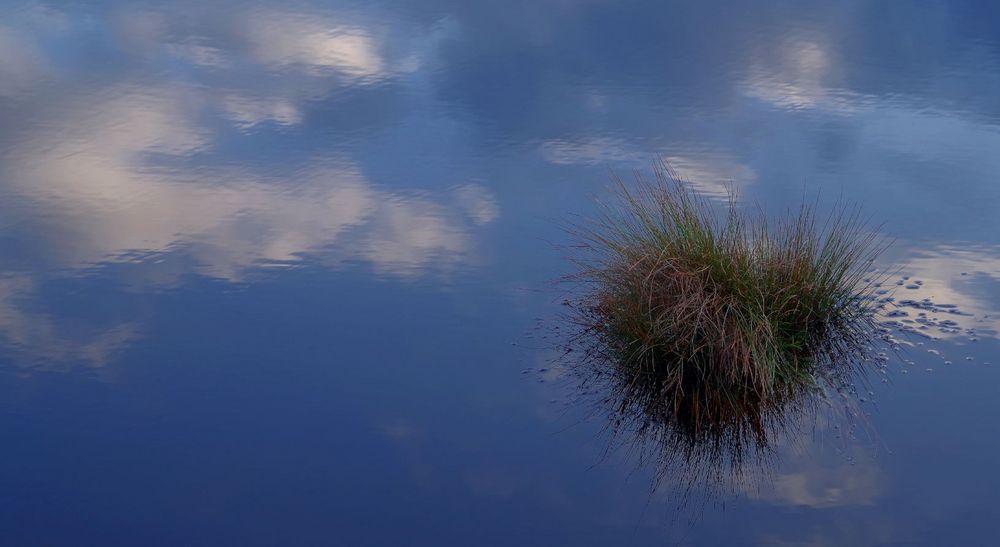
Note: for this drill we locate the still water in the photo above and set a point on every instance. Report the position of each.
(282, 273)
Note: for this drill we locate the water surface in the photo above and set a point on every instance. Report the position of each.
(271, 272)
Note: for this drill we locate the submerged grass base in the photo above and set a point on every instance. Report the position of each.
(710, 314)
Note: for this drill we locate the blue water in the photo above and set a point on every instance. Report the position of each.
(282, 273)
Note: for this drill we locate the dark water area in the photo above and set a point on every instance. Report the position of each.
(283, 273)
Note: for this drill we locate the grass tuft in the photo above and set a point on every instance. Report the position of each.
(709, 314)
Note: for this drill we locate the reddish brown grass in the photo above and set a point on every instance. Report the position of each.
(704, 312)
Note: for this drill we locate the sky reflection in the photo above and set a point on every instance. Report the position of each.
(294, 242)
(135, 169)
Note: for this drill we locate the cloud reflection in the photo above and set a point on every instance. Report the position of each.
(807, 480)
(134, 170)
(287, 39)
(40, 339)
(99, 173)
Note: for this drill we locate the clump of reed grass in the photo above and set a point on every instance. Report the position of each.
(706, 315)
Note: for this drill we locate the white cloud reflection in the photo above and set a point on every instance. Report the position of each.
(247, 112)
(289, 39)
(798, 74)
(275, 59)
(39, 338)
(965, 279)
(120, 174)
(104, 179)
(820, 485)
(710, 172)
